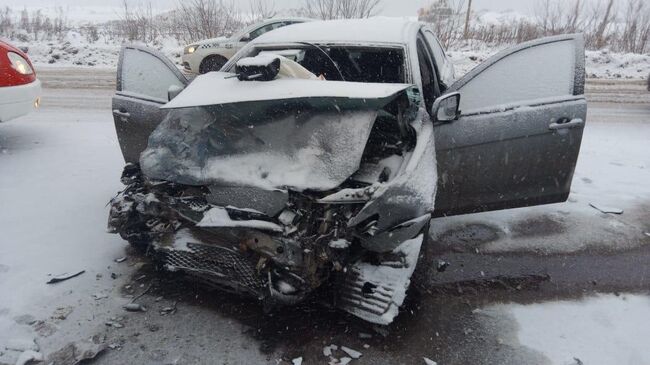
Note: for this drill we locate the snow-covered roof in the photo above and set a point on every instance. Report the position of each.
(373, 30)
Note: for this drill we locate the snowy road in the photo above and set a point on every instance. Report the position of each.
(558, 284)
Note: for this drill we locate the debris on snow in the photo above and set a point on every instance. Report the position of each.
(134, 307)
(114, 323)
(297, 361)
(606, 209)
(28, 356)
(352, 353)
(344, 361)
(76, 352)
(327, 350)
(98, 296)
(168, 310)
(429, 361)
(64, 277)
(364, 335)
(442, 266)
(62, 313)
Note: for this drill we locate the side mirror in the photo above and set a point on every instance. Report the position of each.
(173, 92)
(246, 38)
(446, 108)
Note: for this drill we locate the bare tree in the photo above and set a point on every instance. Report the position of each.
(636, 30)
(467, 17)
(340, 9)
(200, 19)
(262, 9)
(446, 20)
(605, 21)
(138, 24)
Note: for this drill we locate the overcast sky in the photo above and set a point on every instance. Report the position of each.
(388, 7)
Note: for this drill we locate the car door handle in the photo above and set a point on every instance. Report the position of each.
(565, 123)
(120, 113)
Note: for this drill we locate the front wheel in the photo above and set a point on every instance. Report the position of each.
(212, 63)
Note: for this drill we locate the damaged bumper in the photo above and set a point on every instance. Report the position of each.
(277, 261)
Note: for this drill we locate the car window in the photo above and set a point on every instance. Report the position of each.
(540, 72)
(440, 57)
(359, 64)
(430, 88)
(267, 28)
(145, 74)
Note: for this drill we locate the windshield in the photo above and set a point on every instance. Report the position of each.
(360, 64)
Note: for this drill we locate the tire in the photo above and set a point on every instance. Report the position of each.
(212, 63)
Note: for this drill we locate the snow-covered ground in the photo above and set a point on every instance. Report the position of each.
(58, 170)
(595, 330)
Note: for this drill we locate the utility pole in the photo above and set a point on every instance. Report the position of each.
(469, 11)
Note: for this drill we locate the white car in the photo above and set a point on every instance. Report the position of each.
(211, 54)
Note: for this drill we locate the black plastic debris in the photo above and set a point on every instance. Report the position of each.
(64, 277)
(605, 209)
(258, 68)
(442, 266)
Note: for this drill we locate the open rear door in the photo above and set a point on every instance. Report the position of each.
(144, 77)
(517, 140)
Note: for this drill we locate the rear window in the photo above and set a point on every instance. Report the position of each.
(359, 64)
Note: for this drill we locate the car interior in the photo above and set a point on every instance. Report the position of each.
(342, 63)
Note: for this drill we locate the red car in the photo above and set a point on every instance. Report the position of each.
(20, 90)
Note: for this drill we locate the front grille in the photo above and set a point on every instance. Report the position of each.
(216, 264)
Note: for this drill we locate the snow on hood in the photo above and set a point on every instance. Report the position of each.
(264, 146)
(216, 88)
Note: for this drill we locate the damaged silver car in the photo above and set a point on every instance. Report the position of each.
(321, 151)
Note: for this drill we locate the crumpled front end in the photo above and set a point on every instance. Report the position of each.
(274, 207)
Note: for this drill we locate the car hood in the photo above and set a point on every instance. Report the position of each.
(216, 88)
(281, 134)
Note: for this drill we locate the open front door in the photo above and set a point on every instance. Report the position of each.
(144, 78)
(517, 140)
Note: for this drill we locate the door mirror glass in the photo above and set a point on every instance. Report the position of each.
(446, 108)
(246, 38)
(173, 91)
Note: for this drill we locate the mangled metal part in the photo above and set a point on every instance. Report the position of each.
(375, 291)
(223, 267)
(278, 235)
(360, 195)
(269, 202)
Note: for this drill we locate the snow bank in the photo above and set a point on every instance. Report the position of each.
(76, 51)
